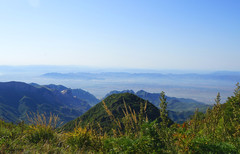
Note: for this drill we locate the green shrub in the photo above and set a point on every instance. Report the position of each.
(84, 140)
(39, 134)
(204, 145)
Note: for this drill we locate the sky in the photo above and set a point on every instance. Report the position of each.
(142, 34)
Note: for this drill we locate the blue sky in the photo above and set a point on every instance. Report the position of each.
(143, 34)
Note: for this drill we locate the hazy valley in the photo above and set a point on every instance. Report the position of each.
(202, 86)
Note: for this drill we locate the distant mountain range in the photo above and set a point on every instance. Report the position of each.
(223, 75)
(18, 98)
(78, 93)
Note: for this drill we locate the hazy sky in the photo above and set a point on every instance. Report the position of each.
(149, 34)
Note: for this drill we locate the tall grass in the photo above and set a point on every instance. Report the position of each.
(42, 128)
(131, 122)
(44, 120)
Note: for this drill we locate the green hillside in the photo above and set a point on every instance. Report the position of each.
(17, 99)
(115, 104)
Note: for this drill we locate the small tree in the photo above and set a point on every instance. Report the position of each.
(216, 115)
(217, 109)
(163, 109)
(218, 99)
(165, 133)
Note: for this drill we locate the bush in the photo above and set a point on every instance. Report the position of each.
(42, 128)
(204, 145)
(84, 140)
(39, 134)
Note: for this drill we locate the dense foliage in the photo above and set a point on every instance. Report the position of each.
(216, 131)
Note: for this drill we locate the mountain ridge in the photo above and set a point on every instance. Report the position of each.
(154, 99)
(115, 103)
(219, 75)
(180, 109)
(78, 93)
(19, 98)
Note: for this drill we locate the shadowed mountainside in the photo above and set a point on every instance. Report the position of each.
(78, 93)
(18, 98)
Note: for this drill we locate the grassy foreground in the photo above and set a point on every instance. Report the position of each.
(217, 131)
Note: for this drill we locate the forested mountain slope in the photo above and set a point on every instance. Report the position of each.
(18, 98)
